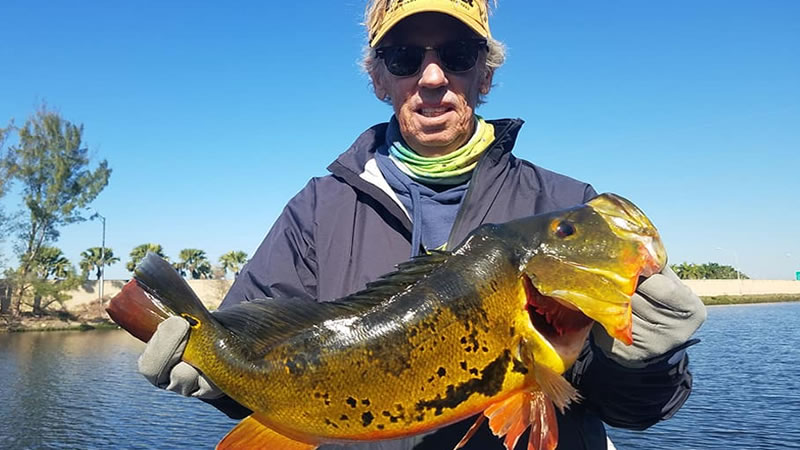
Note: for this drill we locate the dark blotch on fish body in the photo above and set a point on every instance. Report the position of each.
(489, 384)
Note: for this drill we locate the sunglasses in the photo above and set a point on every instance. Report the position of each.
(455, 56)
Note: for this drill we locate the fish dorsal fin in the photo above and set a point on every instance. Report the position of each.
(266, 322)
(393, 283)
(263, 323)
(253, 433)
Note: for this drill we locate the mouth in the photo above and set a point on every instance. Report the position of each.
(563, 326)
(433, 112)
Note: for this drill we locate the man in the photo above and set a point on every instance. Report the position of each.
(423, 181)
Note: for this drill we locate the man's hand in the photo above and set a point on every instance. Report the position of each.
(666, 313)
(161, 362)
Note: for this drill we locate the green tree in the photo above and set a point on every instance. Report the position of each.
(706, 271)
(91, 260)
(52, 166)
(194, 263)
(51, 275)
(140, 251)
(233, 262)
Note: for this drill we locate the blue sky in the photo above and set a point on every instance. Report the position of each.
(213, 116)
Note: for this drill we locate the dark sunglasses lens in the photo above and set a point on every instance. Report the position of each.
(459, 56)
(403, 61)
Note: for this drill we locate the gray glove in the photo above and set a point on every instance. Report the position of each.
(666, 313)
(161, 362)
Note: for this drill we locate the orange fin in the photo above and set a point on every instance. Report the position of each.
(252, 433)
(544, 426)
(470, 432)
(510, 418)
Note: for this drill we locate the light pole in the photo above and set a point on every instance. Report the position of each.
(102, 253)
(736, 268)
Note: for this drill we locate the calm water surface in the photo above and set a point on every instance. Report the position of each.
(81, 390)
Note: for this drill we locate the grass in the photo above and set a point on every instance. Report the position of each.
(749, 299)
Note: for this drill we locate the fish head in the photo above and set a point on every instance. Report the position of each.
(583, 265)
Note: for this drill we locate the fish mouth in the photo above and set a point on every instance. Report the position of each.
(563, 326)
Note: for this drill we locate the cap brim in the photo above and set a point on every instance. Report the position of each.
(476, 26)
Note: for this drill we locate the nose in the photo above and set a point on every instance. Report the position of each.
(433, 75)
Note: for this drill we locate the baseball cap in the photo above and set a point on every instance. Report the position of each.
(473, 13)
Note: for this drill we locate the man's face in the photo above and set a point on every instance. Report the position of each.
(433, 107)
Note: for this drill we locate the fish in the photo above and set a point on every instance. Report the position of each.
(484, 330)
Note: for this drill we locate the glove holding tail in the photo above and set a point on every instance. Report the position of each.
(161, 364)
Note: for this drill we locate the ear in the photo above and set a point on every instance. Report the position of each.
(378, 84)
(486, 82)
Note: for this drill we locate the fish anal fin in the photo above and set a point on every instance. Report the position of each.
(252, 433)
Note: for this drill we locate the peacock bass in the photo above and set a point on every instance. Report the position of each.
(487, 328)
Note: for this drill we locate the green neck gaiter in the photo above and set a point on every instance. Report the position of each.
(450, 169)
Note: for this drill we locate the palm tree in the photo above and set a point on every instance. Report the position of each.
(91, 260)
(54, 274)
(195, 263)
(233, 262)
(139, 252)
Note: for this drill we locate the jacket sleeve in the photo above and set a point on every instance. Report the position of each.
(284, 265)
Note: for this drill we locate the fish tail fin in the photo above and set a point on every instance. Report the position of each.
(137, 311)
(253, 433)
(155, 293)
(158, 277)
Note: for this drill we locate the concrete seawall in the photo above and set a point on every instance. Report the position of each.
(705, 288)
(212, 291)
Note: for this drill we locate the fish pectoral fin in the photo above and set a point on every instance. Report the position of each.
(555, 387)
(509, 418)
(252, 433)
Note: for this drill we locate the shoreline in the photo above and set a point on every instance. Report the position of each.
(88, 322)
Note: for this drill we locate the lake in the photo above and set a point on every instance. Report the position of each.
(81, 390)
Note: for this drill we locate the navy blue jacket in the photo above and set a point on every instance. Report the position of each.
(345, 229)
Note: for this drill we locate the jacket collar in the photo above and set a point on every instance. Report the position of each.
(350, 164)
(355, 158)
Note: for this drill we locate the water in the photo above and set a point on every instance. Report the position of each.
(746, 391)
(81, 390)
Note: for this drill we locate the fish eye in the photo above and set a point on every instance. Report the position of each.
(565, 229)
